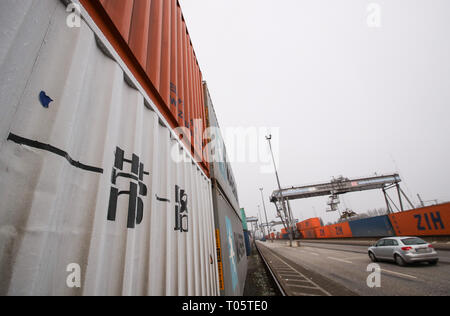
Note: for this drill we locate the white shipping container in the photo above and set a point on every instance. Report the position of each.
(87, 177)
(220, 166)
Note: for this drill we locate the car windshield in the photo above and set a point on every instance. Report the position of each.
(413, 241)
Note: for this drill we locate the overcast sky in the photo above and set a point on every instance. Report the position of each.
(349, 99)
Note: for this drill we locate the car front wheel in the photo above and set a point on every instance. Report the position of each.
(372, 257)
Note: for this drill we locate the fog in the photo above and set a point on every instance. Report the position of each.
(354, 90)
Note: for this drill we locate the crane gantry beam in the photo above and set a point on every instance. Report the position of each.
(337, 186)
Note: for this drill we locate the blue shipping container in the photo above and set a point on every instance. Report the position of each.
(379, 226)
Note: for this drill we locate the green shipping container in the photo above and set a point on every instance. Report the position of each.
(244, 219)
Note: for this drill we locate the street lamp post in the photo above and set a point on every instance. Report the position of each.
(286, 213)
(261, 225)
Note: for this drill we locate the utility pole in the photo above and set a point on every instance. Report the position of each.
(286, 213)
(265, 213)
(260, 225)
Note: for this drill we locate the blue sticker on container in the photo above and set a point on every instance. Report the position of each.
(45, 99)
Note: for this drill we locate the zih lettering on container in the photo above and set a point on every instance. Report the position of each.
(434, 218)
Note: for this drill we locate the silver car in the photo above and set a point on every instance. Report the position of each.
(403, 250)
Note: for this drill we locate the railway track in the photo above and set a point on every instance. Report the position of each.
(288, 279)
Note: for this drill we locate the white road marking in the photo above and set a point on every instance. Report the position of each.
(301, 274)
(313, 249)
(289, 275)
(304, 294)
(303, 286)
(341, 260)
(355, 258)
(302, 281)
(400, 274)
(309, 252)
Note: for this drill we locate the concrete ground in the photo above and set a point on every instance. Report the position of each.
(347, 266)
(438, 243)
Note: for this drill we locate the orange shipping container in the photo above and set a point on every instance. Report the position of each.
(309, 224)
(428, 221)
(152, 39)
(341, 230)
(309, 234)
(322, 232)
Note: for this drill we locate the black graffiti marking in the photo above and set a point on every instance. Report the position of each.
(35, 144)
(162, 199)
(181, 210)
(240, 246)
(135, 203)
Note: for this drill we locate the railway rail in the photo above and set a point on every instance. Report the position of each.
(288, 279)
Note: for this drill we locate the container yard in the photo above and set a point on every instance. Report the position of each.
(428, 221)
(125, 172)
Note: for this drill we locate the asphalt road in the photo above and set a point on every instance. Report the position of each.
(347, 266)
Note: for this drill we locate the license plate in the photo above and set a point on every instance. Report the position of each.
(422, 250)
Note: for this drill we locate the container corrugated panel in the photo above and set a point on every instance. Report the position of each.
(309, 234)
(341, 230)
(427, 221)
(220, 167)
(153, 39)
(379, 226)
(322, 232)
(309, 224)
(87, 176)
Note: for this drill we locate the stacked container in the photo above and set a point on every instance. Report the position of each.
(104, 188)
(378, 226)
(152, 38)
(227, 214)
(427, 221)
(307, 228)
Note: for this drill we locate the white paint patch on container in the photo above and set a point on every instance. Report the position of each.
(86, 175)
